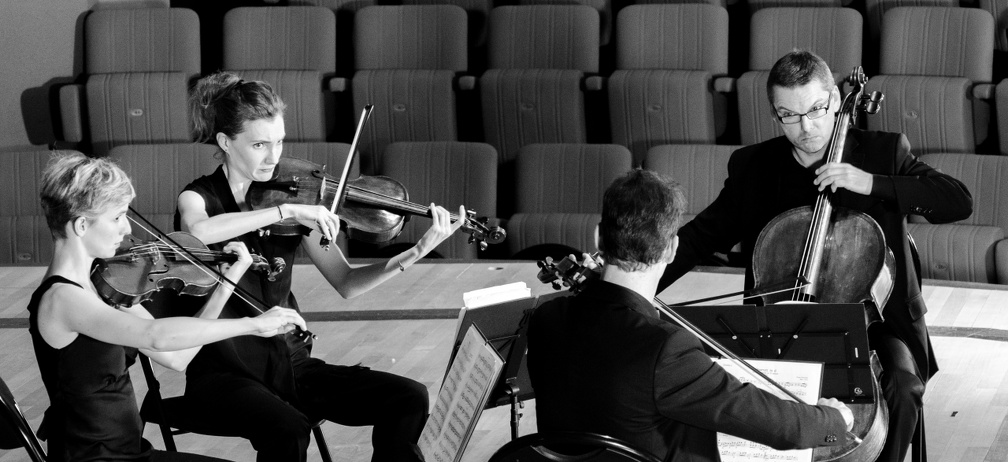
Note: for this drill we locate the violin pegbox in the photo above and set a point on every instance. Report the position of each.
(479, 232)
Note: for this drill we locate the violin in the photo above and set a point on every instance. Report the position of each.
(177, 261)
(140, 268)
(373, 209)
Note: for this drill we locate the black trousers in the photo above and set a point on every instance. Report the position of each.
(902, 388)
(348, 395)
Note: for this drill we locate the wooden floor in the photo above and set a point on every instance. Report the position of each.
(407, 327)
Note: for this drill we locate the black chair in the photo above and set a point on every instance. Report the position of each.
(173, 415)
(14, 429)
(570, 447)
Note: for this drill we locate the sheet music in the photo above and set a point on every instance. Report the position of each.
(461, 400)
(803, 379)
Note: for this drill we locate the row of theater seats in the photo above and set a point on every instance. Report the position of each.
(542, 85)
(557, 194)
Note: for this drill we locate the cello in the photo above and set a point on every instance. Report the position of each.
(843, 259)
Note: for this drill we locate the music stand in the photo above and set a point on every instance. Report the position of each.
(505, 326)
(832, 333)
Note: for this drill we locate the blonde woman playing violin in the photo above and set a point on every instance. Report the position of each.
(84, 346)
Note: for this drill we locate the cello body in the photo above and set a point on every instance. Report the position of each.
(843, 259)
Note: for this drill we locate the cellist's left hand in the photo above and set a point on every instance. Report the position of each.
(840, 175)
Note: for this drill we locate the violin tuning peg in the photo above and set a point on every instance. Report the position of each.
(556, 285)
(483, 245)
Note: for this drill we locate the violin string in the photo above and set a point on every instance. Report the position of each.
(403, 204)
(168, 241)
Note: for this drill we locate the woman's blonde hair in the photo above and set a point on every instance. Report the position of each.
(74, 185)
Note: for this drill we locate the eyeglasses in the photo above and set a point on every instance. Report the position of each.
(815, 113)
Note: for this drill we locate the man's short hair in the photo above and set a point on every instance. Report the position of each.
(641, 213)
(796, 69)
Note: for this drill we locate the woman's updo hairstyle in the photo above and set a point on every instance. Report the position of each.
(223, 102)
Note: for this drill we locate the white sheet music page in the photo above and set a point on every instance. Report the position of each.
(803, 379)
(460, 402)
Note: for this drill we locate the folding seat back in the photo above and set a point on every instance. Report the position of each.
(407, 60)
(662, 90)
(603, 7)
(23, 229)
(531, 92)
(449, 174)
(159, 172)
(701, 170)
(139, 64)
(875, 10)
(293, 48)
(832, 33)
(559, 192)
(1002, 115)
(935, 73)
(973, 249)
(756, 5)
(999, 10)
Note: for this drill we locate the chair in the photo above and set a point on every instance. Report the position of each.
(576, 447)
(293, 48)
(937, 86)
(176, 416)
(448, 174)
(974, 249)
(875, 10)
(701, 170)
(1002, 115)
(999, 10)
(558, 193)
(409, 61)
(159, 172)
(15, 431)
(139, 64)
(532, 89)
(603, 7)
(832, 33)
(670, 60)
(23, 229)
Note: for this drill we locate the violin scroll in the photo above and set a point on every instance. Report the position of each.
(568, 273)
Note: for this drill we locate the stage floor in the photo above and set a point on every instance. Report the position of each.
(407, 327)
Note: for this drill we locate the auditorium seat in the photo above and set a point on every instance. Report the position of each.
(540, 59)
(999, 10)
(874, 11)
(832, 33)
(670, 62)
(603, 7)
(345, 10)
(756, 5)
(448, 174)
(701, 169)
(23, 229)
(139, 63)
(559, 191)
(935, 73)
(409, 70)
(1002, 115)
(159, 172)
(974, 249)
(293, 48)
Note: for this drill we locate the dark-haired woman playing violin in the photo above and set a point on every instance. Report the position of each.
(266, 390)
(84, 346)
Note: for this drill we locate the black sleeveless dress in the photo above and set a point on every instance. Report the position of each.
(93, 412)
(269, 361)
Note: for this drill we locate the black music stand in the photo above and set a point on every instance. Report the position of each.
(505, 326)
(832, 333)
